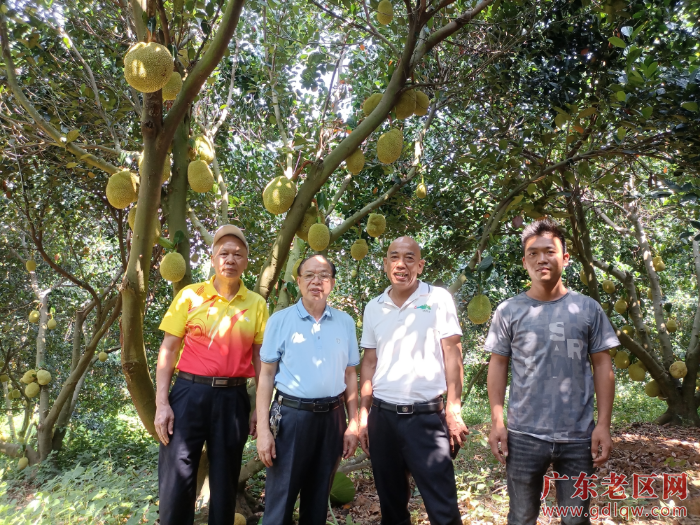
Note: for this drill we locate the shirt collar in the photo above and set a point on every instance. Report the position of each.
(303, 313)
(423, 289)
(211, 291)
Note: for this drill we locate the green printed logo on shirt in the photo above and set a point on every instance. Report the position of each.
(424, 307)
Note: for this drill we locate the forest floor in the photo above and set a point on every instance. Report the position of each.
(641, 448)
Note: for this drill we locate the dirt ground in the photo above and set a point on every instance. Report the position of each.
(640, 448)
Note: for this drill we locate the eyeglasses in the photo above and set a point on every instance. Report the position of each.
(324, 277)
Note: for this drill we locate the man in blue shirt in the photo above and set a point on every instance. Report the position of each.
(309, 354)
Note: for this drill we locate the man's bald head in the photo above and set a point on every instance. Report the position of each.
(403, 264)
(402, 244)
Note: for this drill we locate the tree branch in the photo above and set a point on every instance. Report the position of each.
(39, 121)
(207, 237)
(607, 220)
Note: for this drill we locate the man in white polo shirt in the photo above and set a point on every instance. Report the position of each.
(413, 355)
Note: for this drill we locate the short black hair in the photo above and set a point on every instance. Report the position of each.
(543, 227)
(317, 255)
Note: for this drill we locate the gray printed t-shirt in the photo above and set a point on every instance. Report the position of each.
(551, 392)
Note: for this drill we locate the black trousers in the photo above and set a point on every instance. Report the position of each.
(416, 444)
(219, 417)
(309, 447)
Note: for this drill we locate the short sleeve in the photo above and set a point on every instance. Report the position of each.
(353, 349)
(369, 338)
(271, 350)
(449, 322)
(499, 339)
(175, 318)
(601, 335)
(261, 321)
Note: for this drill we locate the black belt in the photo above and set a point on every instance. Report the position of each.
(429, 407)
(325, 404)
(222, 382)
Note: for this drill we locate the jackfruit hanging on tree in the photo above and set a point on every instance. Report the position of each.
(406, 105)
(385, 12)
(34, 316)
(376, 224)
(678, 370)
(173, 267)
(32, 390)
(28, 377)
(279, 194)
(148, 66)
(102, 356)
(51, 325)
(583, 277)
(30, 265)
(627, 330)
(359, 249)
(622, 360)
(371, 103)
(658, 264)
(204, 149)
(310, 218)
(121, 189)
(652, 388)
(421, 191)
(479, 309)
(43, 377)
(672, 325)
(389, 146)
(422, 104)
(636, 372)
(199, 176)
(319, 237)
(608, 286)
(355, 161)
(620, 306)
(172, 87)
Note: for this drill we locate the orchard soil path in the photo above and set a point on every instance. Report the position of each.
(642, 448)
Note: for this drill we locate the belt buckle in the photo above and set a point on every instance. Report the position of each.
(219, 381)
(321, 407)
(404, 410)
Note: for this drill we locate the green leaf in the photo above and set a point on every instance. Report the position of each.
(647, 111)
(342, 490)
(621, 96)
(617, 42)
(561, 119)
(690, 106)
(179, 237)
(72, 135)
(71, 165)
(621, 132)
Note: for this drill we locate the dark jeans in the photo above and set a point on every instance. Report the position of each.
(527, 463)
(308, 448)
(219, 417)
(417, 444)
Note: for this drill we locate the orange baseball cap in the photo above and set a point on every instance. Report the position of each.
(229, 229)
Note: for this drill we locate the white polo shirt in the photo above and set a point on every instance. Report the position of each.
(410, 363)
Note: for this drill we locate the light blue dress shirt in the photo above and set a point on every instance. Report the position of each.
(312, 355)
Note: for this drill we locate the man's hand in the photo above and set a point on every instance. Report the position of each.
(601, 439)
(350, 440)
(363, 435)
(456, 427)
(164, 422)
(266, 446)
(254, 425)
(499, 436)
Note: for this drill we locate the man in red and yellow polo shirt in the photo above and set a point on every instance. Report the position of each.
(219, 326)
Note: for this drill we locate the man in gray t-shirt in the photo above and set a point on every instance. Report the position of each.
(551, 336)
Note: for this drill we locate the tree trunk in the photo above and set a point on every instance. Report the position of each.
(135, 284)
(177, 197)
